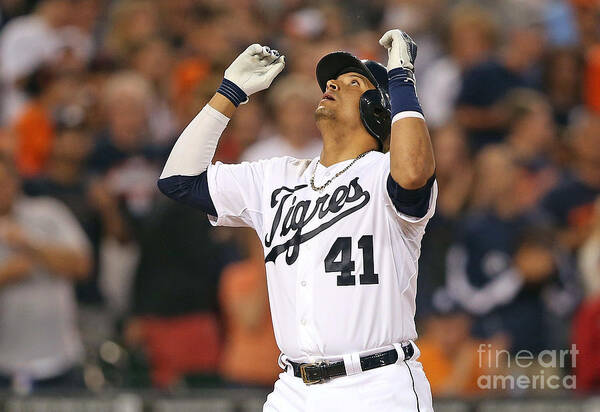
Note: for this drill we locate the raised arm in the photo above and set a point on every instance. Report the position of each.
(183, 177)
(411, 155)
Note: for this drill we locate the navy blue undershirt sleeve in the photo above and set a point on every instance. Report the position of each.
(189, 190)
(410, 202)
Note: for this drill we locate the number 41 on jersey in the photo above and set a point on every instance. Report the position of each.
(342, 247)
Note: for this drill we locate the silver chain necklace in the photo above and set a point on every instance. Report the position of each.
(321, 188)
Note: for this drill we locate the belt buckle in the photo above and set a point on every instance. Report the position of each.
(308, 377)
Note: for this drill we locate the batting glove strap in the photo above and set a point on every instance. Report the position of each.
(403, 94)
(230, 90)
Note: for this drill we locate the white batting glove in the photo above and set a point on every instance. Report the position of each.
(402, 50)
(255, 69)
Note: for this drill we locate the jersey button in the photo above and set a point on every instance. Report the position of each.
(303, 283)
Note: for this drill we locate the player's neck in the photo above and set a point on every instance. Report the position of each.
(335, 154)
(340, 148)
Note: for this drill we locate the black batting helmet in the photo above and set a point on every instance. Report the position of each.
(375, 108)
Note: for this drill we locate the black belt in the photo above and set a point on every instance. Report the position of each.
(322, 371)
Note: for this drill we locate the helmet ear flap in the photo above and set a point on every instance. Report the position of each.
(375, 114)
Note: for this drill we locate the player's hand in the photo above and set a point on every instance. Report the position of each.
(402, 50)
(255, 69)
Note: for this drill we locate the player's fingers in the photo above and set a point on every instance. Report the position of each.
(254, 49)
(389, 37)
(272, 57)
(276, 68)
(265, 52)
(386, 39)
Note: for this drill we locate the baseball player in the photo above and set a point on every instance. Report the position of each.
(341, 233)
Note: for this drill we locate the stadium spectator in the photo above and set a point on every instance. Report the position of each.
(249, 352)
(49, 89)
(586, 14)
(65, 178)
(12, 9)
(190, 82)
(293, 102)
(484, 85)
(27, 42)
(153, 59)
(33, 126)
(471, 38)
(504, 268)
(130, 23)
(449, 354)
(480, 275)
(454, 172)
(419, 19)
(174, 308)
(124, 165)
(43, 251)
(536, 319)
(123, 154)
(531, 129)
(570, 204)
(532, 138)
(563, 83)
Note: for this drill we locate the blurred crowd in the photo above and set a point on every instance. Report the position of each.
(99, 288)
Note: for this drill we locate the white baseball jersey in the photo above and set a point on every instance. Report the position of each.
(341, 263)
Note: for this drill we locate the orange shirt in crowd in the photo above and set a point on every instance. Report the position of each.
(35, 133)
(455, 376)
(592, 79)
(250, 352)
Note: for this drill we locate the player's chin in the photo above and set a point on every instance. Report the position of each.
(323, 112)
